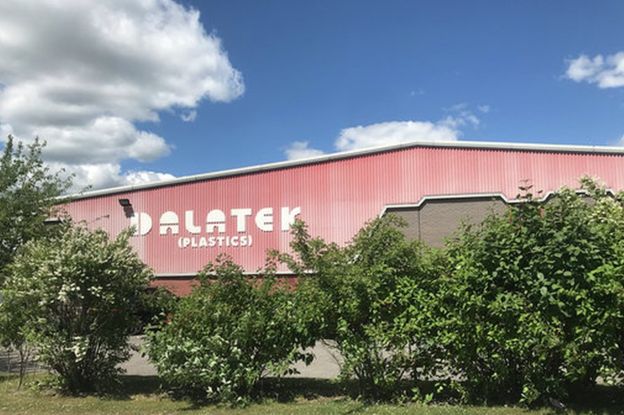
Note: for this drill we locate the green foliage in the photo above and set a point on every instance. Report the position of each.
(373, 299)
(153, 307)
(77, 294)
(229, 333)
(13, 319)
(27, 197)
(532, 306)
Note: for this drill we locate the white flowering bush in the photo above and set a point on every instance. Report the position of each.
(79, 292)
(228, 334)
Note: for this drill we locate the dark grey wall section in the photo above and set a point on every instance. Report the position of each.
(412, 217)
(435, 220)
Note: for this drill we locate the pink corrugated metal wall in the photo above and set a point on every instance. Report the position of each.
(336, 197)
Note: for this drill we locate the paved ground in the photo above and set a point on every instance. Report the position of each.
(324, 366)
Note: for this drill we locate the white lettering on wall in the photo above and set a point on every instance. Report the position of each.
(169, 222)
(288, 217)
(214, 241)
(142, 223)
(217, 225)
(241, 221)
(264, 219)
(189, 222)
(215, 219)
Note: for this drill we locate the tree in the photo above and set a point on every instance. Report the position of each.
(372, 298)
(13, 318)
(28, 195)
(532, 307)
(79, 292)
(227, 335)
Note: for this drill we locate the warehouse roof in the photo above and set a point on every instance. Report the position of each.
(557, 148)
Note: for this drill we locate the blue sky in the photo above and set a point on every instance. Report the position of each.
(312, 69)
(481, 70)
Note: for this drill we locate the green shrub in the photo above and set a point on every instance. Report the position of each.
(77, 294)
(373, 299)
(154, 305)
(229, 333)
(29, 194)
(533, 304)
(13, 318)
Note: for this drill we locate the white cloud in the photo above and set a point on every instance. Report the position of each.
(606, 72)
(461, 116)
(104, 175)
(140, 177)
(79, 76)
(396, 132)
(189, 116)
(301, 150)
(103, 139)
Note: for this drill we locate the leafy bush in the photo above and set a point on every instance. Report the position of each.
(28, 191)
(373, 298)
(28, 196)
(229, 333)
(13, 318)
(154, 305)
(533, 304)
(79, 293)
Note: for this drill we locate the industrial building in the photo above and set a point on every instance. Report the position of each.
(184, 223)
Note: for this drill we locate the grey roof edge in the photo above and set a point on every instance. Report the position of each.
(492, 145)
(488, 195)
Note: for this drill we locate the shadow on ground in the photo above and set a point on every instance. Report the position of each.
(603, 400)
(137, 385)
(277, 389)
(599, 400)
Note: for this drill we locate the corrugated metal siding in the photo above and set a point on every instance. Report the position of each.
(337, 197)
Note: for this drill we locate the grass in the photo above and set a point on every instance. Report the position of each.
(142, 395)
